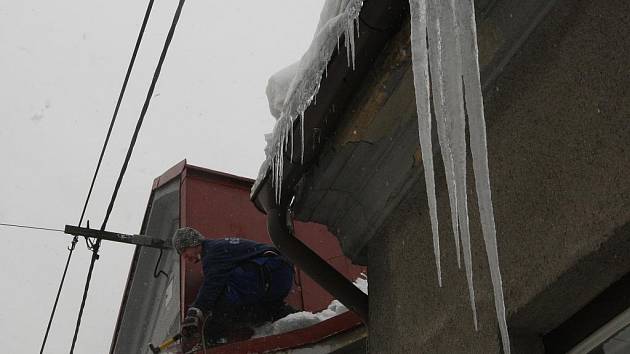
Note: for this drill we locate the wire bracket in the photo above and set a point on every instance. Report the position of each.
(140, 240)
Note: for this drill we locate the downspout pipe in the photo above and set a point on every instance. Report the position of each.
(317, 268)
(280, 228)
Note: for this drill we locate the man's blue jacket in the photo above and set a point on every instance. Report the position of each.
(218, 258)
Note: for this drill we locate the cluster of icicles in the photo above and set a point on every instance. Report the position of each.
(451, 54)
(305, 85)
(444, 42)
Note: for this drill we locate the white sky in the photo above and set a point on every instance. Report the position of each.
(61, 68)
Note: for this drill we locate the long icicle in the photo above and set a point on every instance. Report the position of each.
(421, 82)
(439, 104)
(352, 41)
(301, 118)
(478, 147)
(455, 107)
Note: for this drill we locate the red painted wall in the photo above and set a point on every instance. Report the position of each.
(218, 205)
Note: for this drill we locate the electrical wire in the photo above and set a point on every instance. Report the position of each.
(65, 270)
(157, 273)
(120, 97)
(123, 170)
(63, 278)
(145, 107)
(98, 166)
(31, 227)
(95, 256)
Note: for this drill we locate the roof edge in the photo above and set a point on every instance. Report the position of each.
(380, 21)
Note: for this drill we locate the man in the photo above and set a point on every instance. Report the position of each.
(244, 283)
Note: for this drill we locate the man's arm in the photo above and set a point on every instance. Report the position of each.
(210, 290)
(201, 309)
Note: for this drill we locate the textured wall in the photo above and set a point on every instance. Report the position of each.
(559, 154)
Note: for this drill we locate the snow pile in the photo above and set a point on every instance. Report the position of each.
(299, 320)
(444, 40)
(305, 319)
(451, 54)
(291, 90)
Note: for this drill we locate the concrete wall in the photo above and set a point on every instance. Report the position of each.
(559, 154)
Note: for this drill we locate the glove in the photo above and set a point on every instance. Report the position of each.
(192, 322)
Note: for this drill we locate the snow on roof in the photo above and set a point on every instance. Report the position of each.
(304, 319)
(291, 90)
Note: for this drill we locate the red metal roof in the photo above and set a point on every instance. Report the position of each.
(294, 339)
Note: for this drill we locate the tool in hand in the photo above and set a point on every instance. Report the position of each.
(167, 343)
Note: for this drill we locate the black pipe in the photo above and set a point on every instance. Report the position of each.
(306, 259)
(317, 268)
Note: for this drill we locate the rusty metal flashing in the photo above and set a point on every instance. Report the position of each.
(183, 167)
(167, 176)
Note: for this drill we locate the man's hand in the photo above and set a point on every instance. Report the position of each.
(192, 322)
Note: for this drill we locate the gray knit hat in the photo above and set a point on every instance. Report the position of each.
(186, 237)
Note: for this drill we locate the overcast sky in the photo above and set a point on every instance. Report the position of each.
(61, 68)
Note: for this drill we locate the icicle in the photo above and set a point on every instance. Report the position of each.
(287, 131)
(421, 82)
(352, 43)
(301, 117)
(274, 169)
(281, 133)
(281, 170)
(305, 85)
(478, 147)
(292, 140)
(273, 173)
(439, 104)
(278, 175)
(453, 96)
(338, 45)
(347, 43)
(280, 163)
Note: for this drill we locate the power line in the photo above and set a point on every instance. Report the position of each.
(31, 227)
(98, 166)
(145, 107)
(120, 96)
(63, 278)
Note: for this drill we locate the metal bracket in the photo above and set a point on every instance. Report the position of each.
(140, 240)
